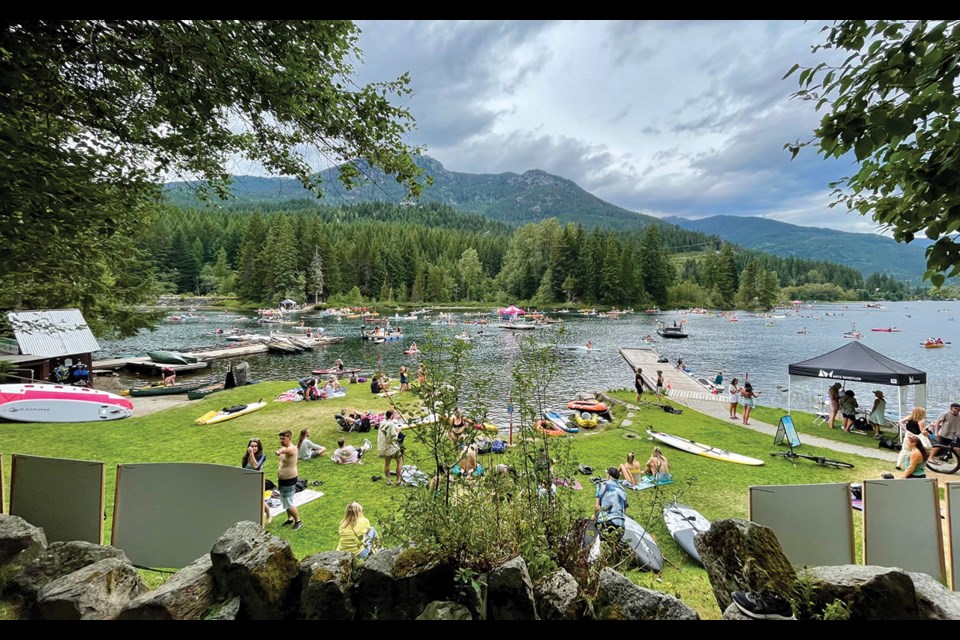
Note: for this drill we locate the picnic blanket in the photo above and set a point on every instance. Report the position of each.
(299, 498)
(649, 482)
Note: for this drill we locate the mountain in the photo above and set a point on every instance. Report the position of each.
(507, 197)
(865, 252)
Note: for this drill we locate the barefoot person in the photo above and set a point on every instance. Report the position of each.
(734, 391)
(287, 478)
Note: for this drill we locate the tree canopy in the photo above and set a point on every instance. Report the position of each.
(893, 102)
(96, 114)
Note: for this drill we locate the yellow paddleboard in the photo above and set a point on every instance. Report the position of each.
(213, 417)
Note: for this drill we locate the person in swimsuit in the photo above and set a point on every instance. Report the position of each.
(458, 427)
(660, 387)
(630, 469)
(404, 381)
(734, 391)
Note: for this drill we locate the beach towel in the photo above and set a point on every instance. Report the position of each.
(649, 482)
(300, 498)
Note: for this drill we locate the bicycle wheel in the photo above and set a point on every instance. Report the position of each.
(827, 462)
(944, 462)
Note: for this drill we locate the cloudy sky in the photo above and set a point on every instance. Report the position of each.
(684, 118)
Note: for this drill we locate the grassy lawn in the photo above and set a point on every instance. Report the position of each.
(717, 489)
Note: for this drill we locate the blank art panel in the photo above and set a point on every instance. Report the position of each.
(65, 497)
(169, 514)
(813, 522)
(901, 526)
(953, 509)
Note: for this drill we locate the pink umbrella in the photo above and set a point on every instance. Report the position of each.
(512, 310)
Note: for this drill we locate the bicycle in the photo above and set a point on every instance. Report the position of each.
(792, 455)
(947, 459)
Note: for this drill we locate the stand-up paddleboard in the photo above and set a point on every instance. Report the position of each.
(684, 523)
(701, 449)
(646, 552)
(561, 421)
(59, 403)
(229, 413)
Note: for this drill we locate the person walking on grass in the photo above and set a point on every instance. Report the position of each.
(639, 384)
(287, 475)
(388, 446)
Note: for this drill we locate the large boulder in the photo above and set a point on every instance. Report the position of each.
(558, 597)
(56, 561)
(740, 555)
(510, 592)
(20, 541)
(257, 566)
(325, 583)
(397, 583)
(187, 595)
(438, 610)
(620, 599)
(879, 593)
(98, 591)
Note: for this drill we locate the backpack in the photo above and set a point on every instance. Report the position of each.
(364, 424)
(889, 443)
(670, 409)
(498, 446)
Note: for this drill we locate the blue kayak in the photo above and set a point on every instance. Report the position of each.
(561, 422)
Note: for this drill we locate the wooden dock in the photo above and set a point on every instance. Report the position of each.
(232, 350)
(677, 384)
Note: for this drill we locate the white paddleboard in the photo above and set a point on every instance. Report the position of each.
(684, 523)
(701, 449)
(60, 403)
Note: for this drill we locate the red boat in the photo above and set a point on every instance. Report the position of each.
(585, 405)
(887, 330)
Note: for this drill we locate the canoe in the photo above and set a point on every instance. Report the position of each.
(229, 413)
(888, 330)
(159, 389)
(684, 523)
(171, 357)
(700, 449)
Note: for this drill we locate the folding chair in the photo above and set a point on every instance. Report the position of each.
(820, 413)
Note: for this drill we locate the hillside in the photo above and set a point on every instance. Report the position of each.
(865, 252)
(507, 197)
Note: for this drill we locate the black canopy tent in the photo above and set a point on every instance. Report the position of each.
(854, 362)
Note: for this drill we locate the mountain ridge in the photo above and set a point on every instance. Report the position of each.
(535, 195)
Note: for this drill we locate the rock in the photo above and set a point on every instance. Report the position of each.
(227, 610)
(880, 593)
(376, 585)
(740, 555)
(438, 610)
(20, 541)
(558, 597)
(620, 599)
(56, 561)
(257, 566)
(325, 582)
(733, 613)
(96, 592)
(627, 423)
(187, 595)
(936, 601)
(396, 583)
(510, 592)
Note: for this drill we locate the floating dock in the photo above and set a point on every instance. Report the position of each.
(677, 384)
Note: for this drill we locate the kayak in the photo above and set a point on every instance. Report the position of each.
(548, 428)
(561, 422)
(701, 449)
(888, 330)
(229, 413)
(160, 389)
(587, 405)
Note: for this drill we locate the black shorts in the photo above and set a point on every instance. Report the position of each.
(849, 416)
(286, 482)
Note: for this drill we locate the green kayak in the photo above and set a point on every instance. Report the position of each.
(159, 389)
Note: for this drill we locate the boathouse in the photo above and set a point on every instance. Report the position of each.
(45, 340)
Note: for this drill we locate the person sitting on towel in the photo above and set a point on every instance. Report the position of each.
(657, 465)
(630, 470)
(309, 388)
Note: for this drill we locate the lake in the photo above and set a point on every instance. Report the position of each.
(753, 346)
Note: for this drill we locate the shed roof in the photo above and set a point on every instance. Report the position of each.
(52, 332)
